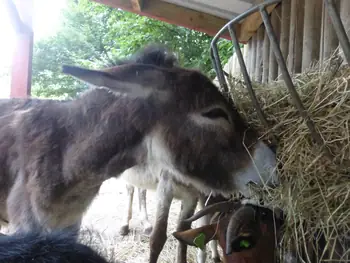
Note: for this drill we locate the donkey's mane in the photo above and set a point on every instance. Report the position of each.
(157, 55)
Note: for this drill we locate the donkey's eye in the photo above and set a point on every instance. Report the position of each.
(216, 113)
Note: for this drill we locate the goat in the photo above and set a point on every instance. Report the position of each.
(147, 226)
(188, 197)
(245, 232)
(56, 154)
(251, 233)
(57, 247)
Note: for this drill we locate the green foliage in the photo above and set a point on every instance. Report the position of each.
(94, 35)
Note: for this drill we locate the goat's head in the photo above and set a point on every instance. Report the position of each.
(245, 232)
(198, 134)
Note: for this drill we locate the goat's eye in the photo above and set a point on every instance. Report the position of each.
(216, 113)
(264, 215)
(243, 243)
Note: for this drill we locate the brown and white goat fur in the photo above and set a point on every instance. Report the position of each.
(261, 228)
(258, 226)
(55, 155)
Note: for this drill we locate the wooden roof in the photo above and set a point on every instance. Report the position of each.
(207, 16)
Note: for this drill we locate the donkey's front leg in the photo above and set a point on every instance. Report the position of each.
(147, 226)
(124, 230)
(188, 205)
(164, 195)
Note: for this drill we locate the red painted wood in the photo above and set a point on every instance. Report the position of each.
(21, 75)
(23, 51)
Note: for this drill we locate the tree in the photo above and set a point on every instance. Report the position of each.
(94, 35)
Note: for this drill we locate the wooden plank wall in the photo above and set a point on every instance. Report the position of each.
(305, 35)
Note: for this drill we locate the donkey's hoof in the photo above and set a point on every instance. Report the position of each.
(217, 260)
(147, 230)
(124, 230)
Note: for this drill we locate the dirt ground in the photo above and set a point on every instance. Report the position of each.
(103, 219)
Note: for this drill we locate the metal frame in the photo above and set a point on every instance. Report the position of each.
(341, 34)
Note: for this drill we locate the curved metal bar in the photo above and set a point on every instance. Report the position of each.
(215, 57)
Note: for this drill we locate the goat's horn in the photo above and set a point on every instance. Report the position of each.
(224, 207)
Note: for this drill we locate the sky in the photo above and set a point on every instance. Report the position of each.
(46, 21)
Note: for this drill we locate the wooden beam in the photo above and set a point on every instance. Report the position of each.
(136, 5)
(21, 74)
(276, 24)
(296, 34)
(15, 18)
(329, 39)
(285, 27)
(249, 57)
(266, 58)
(259, 54)
(254, 41)
(345, 17)
(246, 54)
(174, 14)
(251, 24)
(312, 33)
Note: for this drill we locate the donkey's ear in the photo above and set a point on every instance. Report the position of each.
(94, 77)
(197, 237)
(114, 81)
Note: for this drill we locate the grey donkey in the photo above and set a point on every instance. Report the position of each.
(146, 111)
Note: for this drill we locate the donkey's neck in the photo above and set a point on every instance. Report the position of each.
(110, 132)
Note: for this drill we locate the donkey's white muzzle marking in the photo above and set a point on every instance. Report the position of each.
(261, 170)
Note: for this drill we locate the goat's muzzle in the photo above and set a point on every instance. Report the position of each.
(242, 226)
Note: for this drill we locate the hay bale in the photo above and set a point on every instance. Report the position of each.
(314, 190)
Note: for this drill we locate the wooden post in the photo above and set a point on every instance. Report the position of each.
(345, 17)
(345, 14)
(236, 66)
(253, 56)
(296, 36)
(276, 24)
(245, 54)
(259, 54)
(233, 64)
(21, 74)
(329, 39)
(312, 32)
(249, 56)
(266, 57)
(285, 27)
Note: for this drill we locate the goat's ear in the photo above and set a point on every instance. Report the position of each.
(197, 237)
(123, 80)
